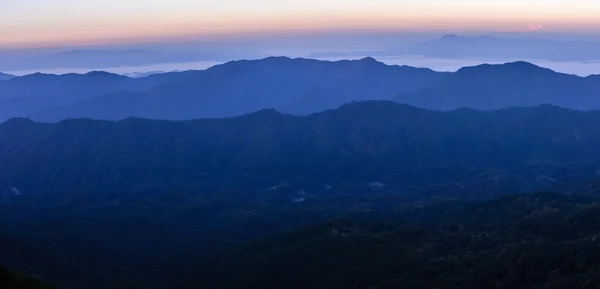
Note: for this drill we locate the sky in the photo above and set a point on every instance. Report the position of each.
(33, 23)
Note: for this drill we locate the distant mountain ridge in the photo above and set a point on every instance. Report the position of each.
(22, 96)
(296, 86)
(512, 84)
(25, 95)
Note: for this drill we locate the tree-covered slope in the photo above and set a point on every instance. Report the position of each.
(530, 241)
(367, 142)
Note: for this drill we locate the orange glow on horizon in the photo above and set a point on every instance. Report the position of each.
(136, 29)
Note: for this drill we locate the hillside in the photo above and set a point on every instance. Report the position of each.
(507, 85)
(373, 141)
(106, 242)
(83, 202)
(531, 241)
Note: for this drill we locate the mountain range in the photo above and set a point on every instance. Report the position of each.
(453, 48)
(25, 95)
(239, 87)
(295, 86)
(299, 173)
(512, 84)
(140, 203)
(374, 141)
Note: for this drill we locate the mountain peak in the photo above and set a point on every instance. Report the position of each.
(369, 59)
(99, 73)
(37, 75)
(264, 113)
(516, 66)
(276, 58)
(522, 64)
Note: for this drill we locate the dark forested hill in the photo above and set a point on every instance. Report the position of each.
(140, 203)
(511, 84)
(11, 280)
(532, 241)
(371, 141)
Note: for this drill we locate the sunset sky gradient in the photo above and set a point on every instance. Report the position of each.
(26, 23)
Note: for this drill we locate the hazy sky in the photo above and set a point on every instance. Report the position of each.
(56, 22)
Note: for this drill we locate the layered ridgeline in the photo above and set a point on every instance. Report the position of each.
(233, 88)
(375, 141)
(295, 86)
(511, 84)
(29, 94)
(139, 203)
